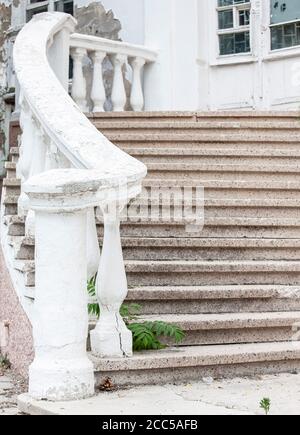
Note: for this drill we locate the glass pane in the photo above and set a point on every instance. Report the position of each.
(283, 11)
(66, 6)
(287, 35)
(244, 17)
(231, 2)
(234, 43)
(225, 19)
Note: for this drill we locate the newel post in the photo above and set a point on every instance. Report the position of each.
(61, 369)
(111, 338)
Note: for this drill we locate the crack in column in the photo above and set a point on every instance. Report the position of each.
(120, 337)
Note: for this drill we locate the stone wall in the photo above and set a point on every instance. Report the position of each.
(15, 329)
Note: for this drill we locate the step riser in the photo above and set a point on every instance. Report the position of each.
(16, 230)
(233, 194)
(10, 173)
(253, 148)
(205, 135)
(237, 336)
(117, 126)
(11, 190)
(166, 230)
(152, 253)
(10, 209)
(139, 253)
(225, 176)
(180, 279)
(217, 306)
(236, 278)
(267, 162)
(180, 375)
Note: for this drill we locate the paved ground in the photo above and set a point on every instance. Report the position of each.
(10, 387)
(227, 397)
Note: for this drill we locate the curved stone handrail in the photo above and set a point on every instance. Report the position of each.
(67, 168)
(59, 116)
(94, 43)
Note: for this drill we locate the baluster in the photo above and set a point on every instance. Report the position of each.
(137, 94)
(93, 250)
(38, 164)
(79, 84)
(98, 95)
(111, 338)
(118, 95)
(26, 152)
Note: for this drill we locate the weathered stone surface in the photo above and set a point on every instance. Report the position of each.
(95, 20)
(19, 345)
(238, 396)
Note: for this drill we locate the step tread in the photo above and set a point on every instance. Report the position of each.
(223, 184)
(201, 114)
(204, 167)
(213, 124)
(213, 152)
(209, 292)
(191, 356)
(182, 242)
(191, 322)
(174, 266)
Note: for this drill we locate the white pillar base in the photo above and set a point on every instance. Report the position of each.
(65, 380)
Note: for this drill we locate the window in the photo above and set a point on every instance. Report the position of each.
(285, 23)
(37, 6)
(234, 26)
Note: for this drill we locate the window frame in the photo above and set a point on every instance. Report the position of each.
(50, 4)
(237, 28)
(272, 25)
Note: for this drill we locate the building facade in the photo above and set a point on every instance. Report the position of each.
(213, 54)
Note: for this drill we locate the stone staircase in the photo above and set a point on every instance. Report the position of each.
(234, 286)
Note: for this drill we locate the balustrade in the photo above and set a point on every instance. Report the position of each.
(67, 169)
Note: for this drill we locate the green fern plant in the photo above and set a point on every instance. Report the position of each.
(146, 335)
(265, 404)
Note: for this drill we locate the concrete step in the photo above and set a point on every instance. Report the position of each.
(191, 273)
(15, 224)
(205, 135)
(198, 115)
(189, 248)
(118, 126)
(231, 227)
(179, 159)
(215, 189)
(11, 186)
(220, 150)
(209, 299)
(23, 247)
(209, 249)
(161, 273)
(231, 328)
(179, 365)
(10, 169)
(215, 299)
(27, 268)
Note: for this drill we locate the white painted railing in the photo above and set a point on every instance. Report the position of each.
(67, 168)
(120, 55)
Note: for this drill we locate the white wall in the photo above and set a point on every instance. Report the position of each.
(262, 79)
(171, 26)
